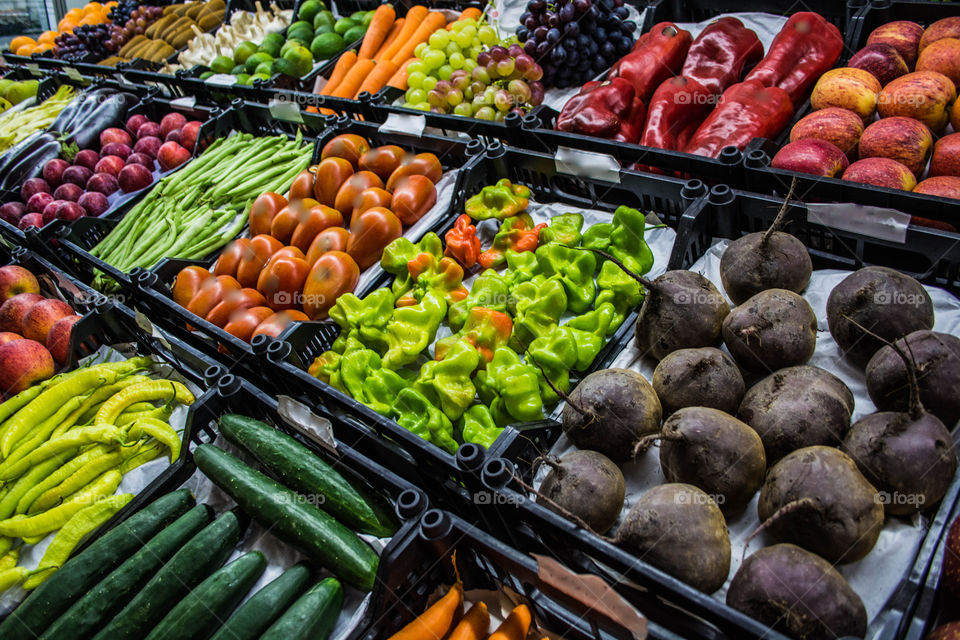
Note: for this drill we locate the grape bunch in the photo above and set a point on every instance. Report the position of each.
(86, 41)
(122, 11)
(137, 20)
(575, 40)
(467, 71)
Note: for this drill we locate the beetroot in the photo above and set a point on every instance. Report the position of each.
(141, 158)
(104, 183)
(134, 177)
(77, 175)
(87, 158)
(68, 191)
(135, 122)
(33, 186)
(53, 170)
(116, 149)
(38, 202)
(30, 220)
(94, 203)
(12, 212)
(171, 122)
(148, 130)
(148, 145)
(110, 164)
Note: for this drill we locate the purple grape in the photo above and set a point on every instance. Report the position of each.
(524, 16)
(558, 56)
(624, 45)
(584, 64)
(567, 13)
(583, 42)
(621, 13)
(483, 58)
(443, 86)
(571, 29)
(531, 23)
(629, 25)
(498, 53)
(572, 57)
(608, 51)
(542, 48)
(537, 6)
(600, 35)
(540, 33)
(536, 94)
(553, 35)
(553, 20)
(534, 73)
(523, 34)
(582, 6)
(524, 62)
(530, 47)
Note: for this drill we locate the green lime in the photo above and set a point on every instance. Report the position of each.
(256, 60)
(355, 33)
(243, 78)
(265, 68)
(205, 75)
(323, 18)
(343, 25)
(237, 70)
(285, 67)
(259, 76)
(271, 44)
(302, 59)
(367, 19)
(222, 64)
(4, 85)
(4, 104)
(243, 51)
(322, 29)
(326, 45)
(357, 16)
(310, 9)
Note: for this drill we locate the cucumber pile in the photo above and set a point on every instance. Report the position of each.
(163, 573)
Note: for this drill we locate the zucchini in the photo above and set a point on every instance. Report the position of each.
(297, 467)
(108, 597)
(312, 617)
(200, 613)
(290, 518)
(196, 560)
(265, 606)
(80, 573)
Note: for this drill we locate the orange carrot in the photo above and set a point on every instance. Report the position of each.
(353, 79)
(399, 79)
(431, 23)
(377, 31)
(474, 626)
(340, 70)
(516, 625)
(470, 12)
(394, 32)
(415, 16)
(378, 78)
(434, 623)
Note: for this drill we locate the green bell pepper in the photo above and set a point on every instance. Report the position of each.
(477, 426)
(512, 387)
(411, 330)
(485, 329)
(382, 387)
(575, 269)
(516, 234)
(447, 383)
(617, 288)
(598, 236)
(564, 228)
(590, 332)
(414, 412)
(521, 267)
(397, 255)
(556, 354)
(499, 201)
(627, 242)
(366, 319)
(489, 290)
(537, 305)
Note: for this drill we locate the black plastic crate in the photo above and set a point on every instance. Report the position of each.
(422, 567)
(760, 177)
(458, 474)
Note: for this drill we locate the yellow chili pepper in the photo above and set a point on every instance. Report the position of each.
(154, 390)
(9, 503)
(83, 523)
(42, 432)
(143, 454)
(12, 577)
(6, 547)
(9, 559)
(161, 431)
(94, 399)
(79, 479)
(103, 433)
(25, 526)
(26, 502)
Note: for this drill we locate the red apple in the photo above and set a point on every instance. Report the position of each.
(840, 127)
(944, 28)
(116, 149)
(817, 157)
(946, 157)
(14, 309)
(41, 316)
(905, 140)
(172, 155)
(115, 135)
(173, 136)
(15, 279)
(134, 177)
(189, 134)
(22, 364)
(848, 88)
(149, 146)
(142, 158)
(943, 186)
(882, 60)
(77, 175)
(38, 202)
(53, 170)
(943, 56)
(902, 35)
(148, 130)
(105, 183)
(33, 186)
(94, 203)
(7, 336)
(881, 172)
(67, 191)
(923, 95)
(50, 211)
(30, 220)
(87, 158)
(71, 211)
(135, 122)
(11, 212)
(110, 164)
(58, 338)
(170, 122)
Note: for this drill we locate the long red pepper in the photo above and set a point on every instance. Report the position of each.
(657, 56)
(721, 53)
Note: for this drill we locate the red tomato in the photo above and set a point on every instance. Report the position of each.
(413, 197)
(331, 174)
(349, 194)
(274, 325)
(348, 146)
(317, 219)
(370, 232)
(229, 260)
(332, 239)
(233, 300)
(287, 220)
(262, 247)
(263, 210)
(383, 160)
(211, 293)
(243, 322)
(424, 164)
(282, 281)
(188, 283)
(302, 186)
(334, 274)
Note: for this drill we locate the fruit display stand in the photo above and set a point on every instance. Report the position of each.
(424, 567)
(297, 348)
(931, 256)
(851, 197)
(154, 287)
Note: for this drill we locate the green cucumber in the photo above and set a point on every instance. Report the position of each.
(80, 573)
(108, 597)
(196, 560)
(200, 613)
(291, 518)
(312, 617)
(358, 507)
(256, 614)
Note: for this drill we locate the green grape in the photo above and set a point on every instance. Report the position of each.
(472, 52)
(439, 38)
(416, 67)
(469, 22)
(457, 60)
(487, 35)
(463, 109)
(451, 48)
(429, 83)
(415, 80)
(423, 106)
(454, 97)
(469, 64)
(434, 59)
(444, 72)
(420, 50)
(457, 26)
(471, 30)
(476, 44)
(463, 38)
(485, 113)
(416, 96)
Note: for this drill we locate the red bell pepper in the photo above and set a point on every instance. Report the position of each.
(463, 245)
(677, 108)
(607, 109)
(517, 233)
(658, 55)
(805, 48)
(747, 110)
(719, 55)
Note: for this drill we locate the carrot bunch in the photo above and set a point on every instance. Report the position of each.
(445, 620)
